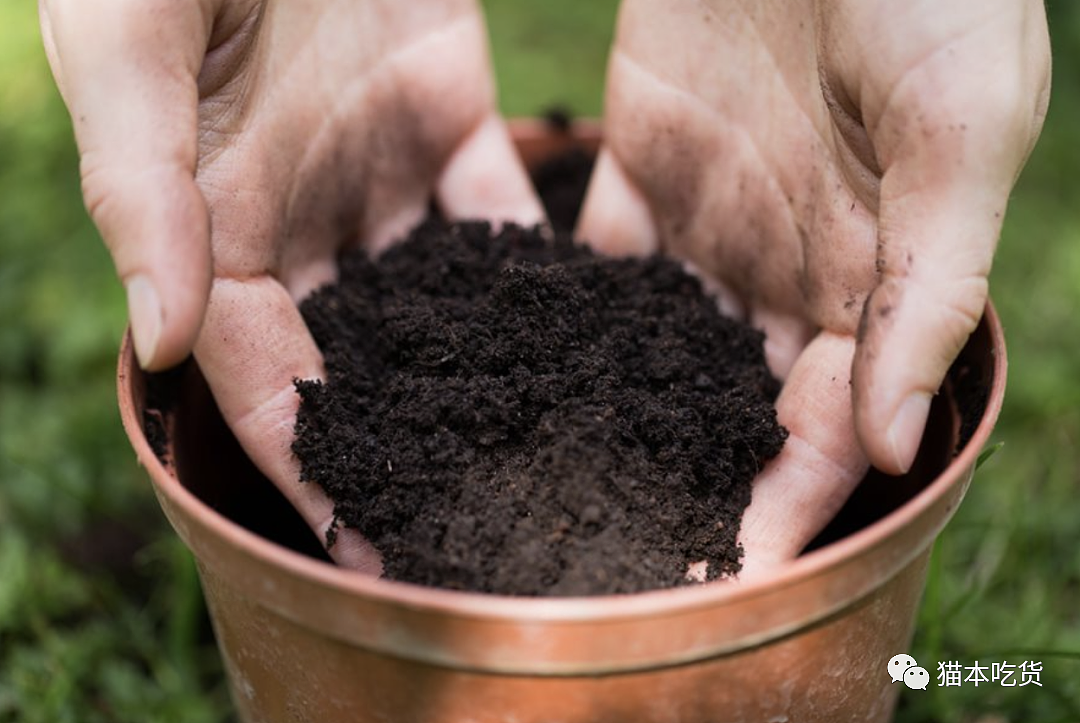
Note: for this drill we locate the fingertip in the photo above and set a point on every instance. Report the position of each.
(160, 245)
(163, 335)
(905, 432)
(911, 334)
(145, 318)
(615, 218)
(486, 178)
(891, 442)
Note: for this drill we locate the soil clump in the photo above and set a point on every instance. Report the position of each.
(512, 414)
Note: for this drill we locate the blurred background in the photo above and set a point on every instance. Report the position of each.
(101, 618)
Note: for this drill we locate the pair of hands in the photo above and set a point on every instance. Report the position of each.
(839, 169)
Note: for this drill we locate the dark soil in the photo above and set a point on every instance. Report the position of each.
(508, 414)
(160, 401)
(971, 388)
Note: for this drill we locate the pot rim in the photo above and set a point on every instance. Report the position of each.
(508, 608)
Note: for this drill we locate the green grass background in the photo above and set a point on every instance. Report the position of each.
(101, 618)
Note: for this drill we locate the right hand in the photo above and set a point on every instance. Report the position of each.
(839, 169)
(230, 149)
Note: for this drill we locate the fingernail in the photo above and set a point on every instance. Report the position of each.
(144, 310)
(906, 431)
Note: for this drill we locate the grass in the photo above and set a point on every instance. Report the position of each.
(101, 618)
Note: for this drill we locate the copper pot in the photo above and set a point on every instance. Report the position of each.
(303, 640)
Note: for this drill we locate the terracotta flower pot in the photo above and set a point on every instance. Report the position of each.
(303, 640)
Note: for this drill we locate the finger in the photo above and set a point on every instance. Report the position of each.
(485, 178)
(914, 325)
(786, 337)
(128, 71)
(615, 218)
(254, 343)
(803, 488)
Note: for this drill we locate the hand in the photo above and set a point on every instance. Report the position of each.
(840, 168)
(230, 148)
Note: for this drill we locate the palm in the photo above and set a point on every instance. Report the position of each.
(753, 153)
(329, 125)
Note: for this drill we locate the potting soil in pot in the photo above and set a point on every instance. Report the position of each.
(507, 414)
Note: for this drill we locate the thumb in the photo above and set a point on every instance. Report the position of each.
(615, 217)
(952, 135)
(915, 322)
(942, 200)
(127, 71)
(486, 178)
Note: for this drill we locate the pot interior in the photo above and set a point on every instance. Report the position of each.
(209, 462)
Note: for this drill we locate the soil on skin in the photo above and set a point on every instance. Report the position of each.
(512, 415)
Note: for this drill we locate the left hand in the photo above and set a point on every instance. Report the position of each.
(230, 149)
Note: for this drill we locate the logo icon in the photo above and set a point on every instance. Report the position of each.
(899, 665)
(916, 678)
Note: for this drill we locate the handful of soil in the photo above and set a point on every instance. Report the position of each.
(507, 414)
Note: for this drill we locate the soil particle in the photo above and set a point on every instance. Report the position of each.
(971, 389)
(512, 415)
(160, 401)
